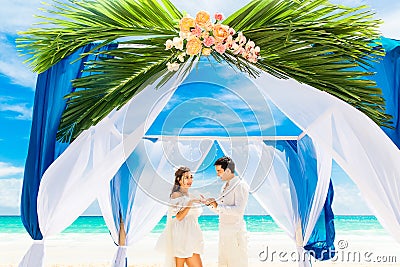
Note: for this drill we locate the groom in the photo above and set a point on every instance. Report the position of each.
(230, 207)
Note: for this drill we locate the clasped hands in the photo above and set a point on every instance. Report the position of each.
(204, 200)
(208, 201)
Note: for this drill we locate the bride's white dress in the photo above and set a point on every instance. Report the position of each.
(182, 238)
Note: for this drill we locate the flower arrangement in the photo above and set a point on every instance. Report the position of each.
(199, 36)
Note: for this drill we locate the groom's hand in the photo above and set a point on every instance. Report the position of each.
(211, 201)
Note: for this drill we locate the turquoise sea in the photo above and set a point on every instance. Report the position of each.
(258, 223)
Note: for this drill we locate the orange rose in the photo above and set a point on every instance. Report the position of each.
(202, 18)
(206, 51)
(220, 32)
(186, 23)
(193, 46)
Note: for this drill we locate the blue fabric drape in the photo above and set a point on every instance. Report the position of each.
(302, 165)
(321, 242)
(387, 78)
(49, 104)
(123, 189)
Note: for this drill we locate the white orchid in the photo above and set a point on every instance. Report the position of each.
(181, 57)
(173, 66)
(178, 43)
(168, 44)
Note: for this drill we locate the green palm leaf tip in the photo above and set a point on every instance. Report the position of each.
(320, 44)
(119, 74)
(77, 23)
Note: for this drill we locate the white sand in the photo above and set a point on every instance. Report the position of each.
(80, 250)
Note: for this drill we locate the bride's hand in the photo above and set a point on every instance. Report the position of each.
(194, 200)
(203, 199)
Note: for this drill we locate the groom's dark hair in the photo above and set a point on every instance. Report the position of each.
(226, 162)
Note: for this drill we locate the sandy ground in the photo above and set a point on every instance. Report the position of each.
(265, 249)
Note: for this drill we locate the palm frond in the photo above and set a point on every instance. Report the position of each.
(311, 41)
(76, 23)
(320, 44)
(113, 80)
(142, 26)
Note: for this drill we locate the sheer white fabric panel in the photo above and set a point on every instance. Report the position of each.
(375, 169)
(359, 145)
(104, 200)
(156, 181)
(323, 148)
(120, 257)
(148, 206)
(160, 159)
(278, 196)
(34, 256)
(143, 148)
(94, 157)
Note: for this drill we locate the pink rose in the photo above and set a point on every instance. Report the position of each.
(218, 16)
(196, 31)
(220, 48)
(209, 41)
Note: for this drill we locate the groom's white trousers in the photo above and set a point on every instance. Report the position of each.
(232, 246)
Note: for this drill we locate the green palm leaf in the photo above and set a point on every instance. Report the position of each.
(319, 44)
(312, 41)
(120, 73)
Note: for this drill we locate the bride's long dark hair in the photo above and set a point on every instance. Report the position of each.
(178, 177)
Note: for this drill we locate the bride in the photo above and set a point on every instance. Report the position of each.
(182, 239)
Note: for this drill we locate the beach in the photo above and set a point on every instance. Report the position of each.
(80, 250)
(367, 245)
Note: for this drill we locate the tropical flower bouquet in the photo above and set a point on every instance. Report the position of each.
(202, 37)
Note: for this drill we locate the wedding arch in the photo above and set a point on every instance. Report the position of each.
(291, 161)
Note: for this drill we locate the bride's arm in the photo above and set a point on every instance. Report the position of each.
(184, 210)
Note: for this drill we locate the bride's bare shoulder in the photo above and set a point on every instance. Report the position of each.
(176, 195)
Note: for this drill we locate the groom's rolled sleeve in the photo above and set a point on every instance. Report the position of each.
(241, 195)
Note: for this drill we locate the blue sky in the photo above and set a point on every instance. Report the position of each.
(17, 86)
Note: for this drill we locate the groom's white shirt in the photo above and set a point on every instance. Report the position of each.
(232, 202)
(232, 251)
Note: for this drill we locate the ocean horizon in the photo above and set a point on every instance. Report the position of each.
(350, 224)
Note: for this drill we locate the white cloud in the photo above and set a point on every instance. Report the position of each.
(390, 27)
(24, 113)
(10, 192)
(12, 66)
(347, 200)
(7, 170)
(18, 15)
(10, 188)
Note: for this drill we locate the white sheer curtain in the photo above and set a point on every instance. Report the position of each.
(155, 179)
(358, 144)
(94, 157)
(34, 256)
